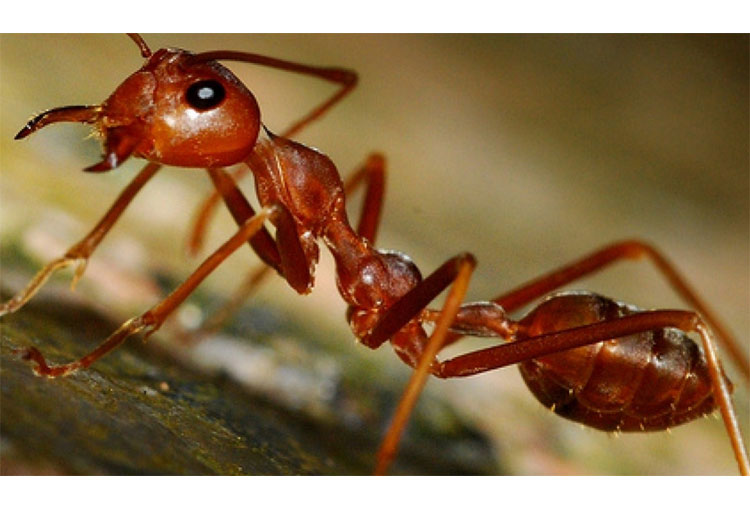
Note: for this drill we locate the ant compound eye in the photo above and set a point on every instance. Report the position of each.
(205, 94)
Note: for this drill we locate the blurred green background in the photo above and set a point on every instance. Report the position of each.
(528, 151)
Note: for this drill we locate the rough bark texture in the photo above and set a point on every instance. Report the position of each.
(139, 412)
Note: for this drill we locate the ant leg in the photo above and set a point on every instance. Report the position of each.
(152, 320)
(81, 251)
(456, 271)
(241, 210)
(219, 317)
(631, 249)
(371, 174)
(347, 79)
(524, 348)
(203, 215)
(723, 393)
(263, 244)
(225, 187)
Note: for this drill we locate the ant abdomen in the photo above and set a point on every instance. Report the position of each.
(646, 381)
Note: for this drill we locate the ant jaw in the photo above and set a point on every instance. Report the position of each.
(119, 146)
(79, 114)
(110, 162)
(25, 131)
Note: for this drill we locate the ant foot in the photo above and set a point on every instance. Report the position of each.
(19, 300)
(41, 368)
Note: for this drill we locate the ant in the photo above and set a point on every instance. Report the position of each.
(591, 359)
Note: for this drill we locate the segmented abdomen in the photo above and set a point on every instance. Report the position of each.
(646, 381)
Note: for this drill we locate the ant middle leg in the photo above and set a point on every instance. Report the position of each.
(82, 251)
(402, 325)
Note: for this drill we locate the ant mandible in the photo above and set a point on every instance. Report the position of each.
(588, 358)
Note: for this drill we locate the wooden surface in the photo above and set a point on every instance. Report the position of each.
(139, 411)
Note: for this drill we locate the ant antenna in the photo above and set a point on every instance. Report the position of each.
(145, 50)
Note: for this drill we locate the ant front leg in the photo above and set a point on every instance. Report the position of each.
(152, 320)
(82, 251)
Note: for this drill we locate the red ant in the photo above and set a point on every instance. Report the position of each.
(587, 357)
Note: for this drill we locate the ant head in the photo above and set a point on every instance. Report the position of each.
(178, 109)
(181, 111)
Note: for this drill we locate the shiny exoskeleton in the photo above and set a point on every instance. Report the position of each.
(588, 358)
(662, 378)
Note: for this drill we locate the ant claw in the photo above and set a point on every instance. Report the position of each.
(41, 368)
(33, 354)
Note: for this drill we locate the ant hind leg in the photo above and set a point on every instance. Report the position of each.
(604, 257)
